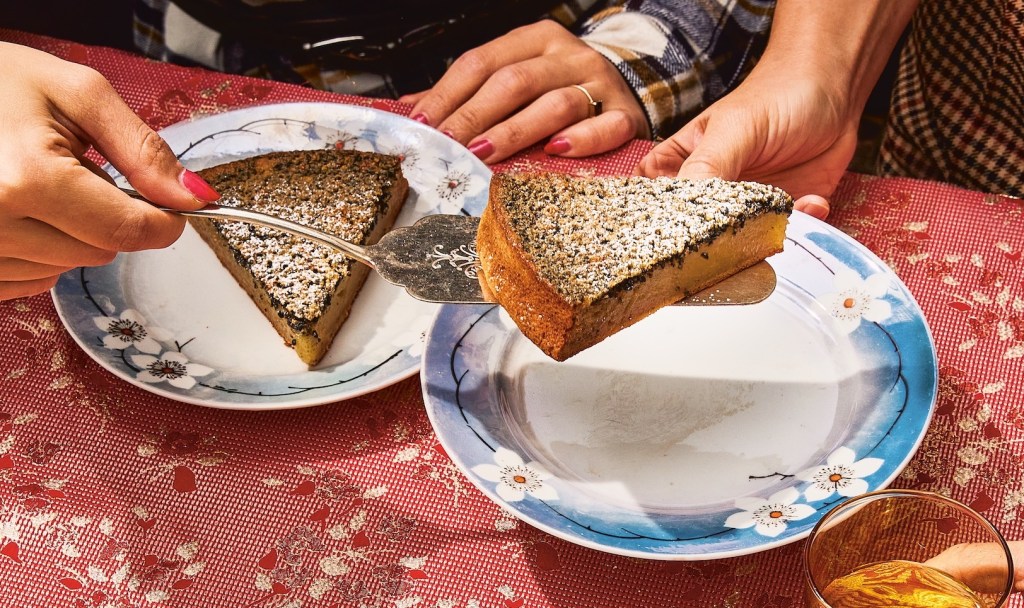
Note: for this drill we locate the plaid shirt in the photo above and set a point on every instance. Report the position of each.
(680, 56)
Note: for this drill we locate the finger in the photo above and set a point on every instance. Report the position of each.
(98, 170)
(93, 109)
(716, 150)
(599, 134)
(550, 112)
(664, 159)
(19, 289)
(511, 88)
(473, 68)
(41, 243)
(813, 205)
(980, 566)
(12, 269)
(413, 98)
(104, 217)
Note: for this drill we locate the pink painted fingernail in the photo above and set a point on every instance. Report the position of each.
(420, 117)
(448, 133)
(482, 149)
(202, 191)
(558, 145)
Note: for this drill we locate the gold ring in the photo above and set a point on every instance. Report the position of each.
(594, 103)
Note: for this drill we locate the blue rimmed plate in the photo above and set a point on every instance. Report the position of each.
(698, 433)
(175, 323)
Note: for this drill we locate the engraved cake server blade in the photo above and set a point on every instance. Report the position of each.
(435, 259)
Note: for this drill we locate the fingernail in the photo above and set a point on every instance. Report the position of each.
(482, 149)
(420, 117)
(448, 133)
(817, 211)
(202, 191)
(558, 145)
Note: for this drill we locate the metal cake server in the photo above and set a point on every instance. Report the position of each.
(435, 259)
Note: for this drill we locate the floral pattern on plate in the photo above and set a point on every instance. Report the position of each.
(676, 439)
(173, 321)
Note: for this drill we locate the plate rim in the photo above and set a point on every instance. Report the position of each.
(489, 489)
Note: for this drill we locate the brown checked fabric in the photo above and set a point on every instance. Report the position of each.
(957, 112)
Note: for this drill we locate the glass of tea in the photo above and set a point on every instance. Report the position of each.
(906, 548)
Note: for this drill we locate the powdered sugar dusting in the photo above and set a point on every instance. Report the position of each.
(340, 192)
(588, 235)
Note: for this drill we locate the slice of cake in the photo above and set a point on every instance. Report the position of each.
(574, 260)
(306, 290)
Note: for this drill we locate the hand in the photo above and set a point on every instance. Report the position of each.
(516, 90)
(58, 210)
(797, 136)
(793, 121)
(981, 566)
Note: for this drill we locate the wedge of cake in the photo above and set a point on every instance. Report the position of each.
(574, 260)
(304, 289)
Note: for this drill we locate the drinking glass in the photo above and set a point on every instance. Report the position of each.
(905, 548)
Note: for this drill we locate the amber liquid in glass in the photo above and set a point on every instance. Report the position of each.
(899, 583)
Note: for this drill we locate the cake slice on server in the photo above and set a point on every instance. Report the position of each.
(575, 260)
(304, 289)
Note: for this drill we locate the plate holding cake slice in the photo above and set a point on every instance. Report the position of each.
(305, 290)
(574, 260)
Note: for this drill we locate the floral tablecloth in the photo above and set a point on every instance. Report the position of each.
(112, 496)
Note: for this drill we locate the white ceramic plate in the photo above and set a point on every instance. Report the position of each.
(199, 325)
(698, 433)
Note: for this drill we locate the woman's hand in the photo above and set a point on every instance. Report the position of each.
(797, 137)
(58, 210)
(517, 90)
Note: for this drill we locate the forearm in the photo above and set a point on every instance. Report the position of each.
(843, 44)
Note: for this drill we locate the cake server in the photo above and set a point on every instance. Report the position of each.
(435, 259)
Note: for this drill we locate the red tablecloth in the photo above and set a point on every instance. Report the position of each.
(110, 495)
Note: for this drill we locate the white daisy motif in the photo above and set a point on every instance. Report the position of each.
(516, 479)
(131, 329)
(841, 474)
(855, 299)
(406, 145)
(456, 180)
(170, 367)
(769, 517)
(346, 140)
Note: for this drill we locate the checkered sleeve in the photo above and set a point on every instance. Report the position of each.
(679, 56)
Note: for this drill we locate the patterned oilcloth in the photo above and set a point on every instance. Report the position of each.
(957, 111)
(113, 496)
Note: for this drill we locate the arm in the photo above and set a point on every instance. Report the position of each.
(793, 122)
(58, 210)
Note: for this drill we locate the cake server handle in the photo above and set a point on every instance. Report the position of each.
(217, 212)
